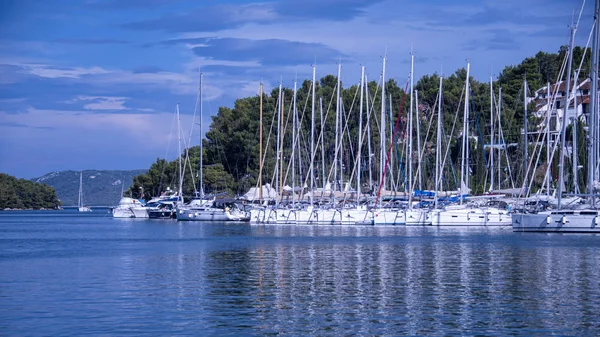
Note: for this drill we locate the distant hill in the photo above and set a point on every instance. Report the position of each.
(100, 187)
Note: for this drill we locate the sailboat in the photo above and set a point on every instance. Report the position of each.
(474, 213)
(201, 208)
(583, 218)
(80, 206)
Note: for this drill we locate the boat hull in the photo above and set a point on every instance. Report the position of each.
(312, 216)
(211, 215)
(389, 217)
(567, 221)
(130, 212)
(465, 217)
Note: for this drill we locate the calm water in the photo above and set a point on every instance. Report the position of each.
(62, 273)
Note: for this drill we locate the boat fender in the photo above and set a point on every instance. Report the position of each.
(548, 219)
(597, 220)
(564, 219)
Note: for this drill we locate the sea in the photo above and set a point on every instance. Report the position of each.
(64, 273)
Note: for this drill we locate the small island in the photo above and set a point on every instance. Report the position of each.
(25, 194)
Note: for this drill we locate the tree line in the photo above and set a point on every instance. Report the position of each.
(26, 194)
(231, 145)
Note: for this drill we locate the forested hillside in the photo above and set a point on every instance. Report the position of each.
(231, 146)
(100, 187)
(25, 194)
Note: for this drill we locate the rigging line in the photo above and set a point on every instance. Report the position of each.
(346, 129)
(390, 148)
(456, 114)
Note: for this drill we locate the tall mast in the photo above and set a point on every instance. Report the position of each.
(282, 133)
(525, 126)
(391, 153)
(360, 119)
(180, 190)
(409, 155)
(277, 156)
(499, 135)
(491, 134)
(260, 142)
(438, 148)
(80, 188)
(418, 127)
(575, 162)
(323, 181)
(564, 121)
(337, 130)
(370, 159)
(548, 116)
(464, 169)
(201, 189)
(312, 137)
(294, 128)
(593, 120)
(382, 127)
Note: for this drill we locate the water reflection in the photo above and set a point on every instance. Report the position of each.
(170, 278)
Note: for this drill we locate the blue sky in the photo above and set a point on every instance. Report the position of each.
(93, 84)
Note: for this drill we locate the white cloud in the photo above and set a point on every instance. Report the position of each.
(137, 130)
(101, 102)
(44, 70)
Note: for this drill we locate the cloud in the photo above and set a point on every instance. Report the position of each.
(21, 125)
(80, 138)
(101, 102)
(267, 52)
(49, 71)
(146, 70)
(128, 4)
(208, 18)
(228, 16)
(496, 39)
(337, 10)
(91, 41)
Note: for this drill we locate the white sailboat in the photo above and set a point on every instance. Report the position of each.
(208, 209)
(80, 206)
(471, 214)
(583, 218)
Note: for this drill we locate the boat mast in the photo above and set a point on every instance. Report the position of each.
(337, 130)
(294, 128)
(260, 141)
(464, 171)
(80, 188)
(409, 155)
(500, 138)
(282, 133)
(323, 181)
(564, 121)
(200, 171)
(393, 182)
(312, 137)
(525, 127)
(491, 134)
(180, 191)
(593, 120)
(370, 159)
(382, 127)
(548, 116)
(360, 119)
(574, 146)
(278, 158)
(438, 151)
(419, 168)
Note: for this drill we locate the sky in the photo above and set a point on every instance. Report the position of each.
(94, 84)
